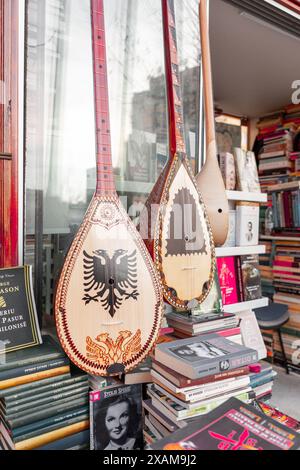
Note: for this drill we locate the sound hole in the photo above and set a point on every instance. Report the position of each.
(220, 211)
(111, 281)
(186, 239)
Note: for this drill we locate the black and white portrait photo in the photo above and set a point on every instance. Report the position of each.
(201, 349)
(117, 419)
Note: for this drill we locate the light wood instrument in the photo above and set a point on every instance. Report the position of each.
(175, 224)
(209, 180)
(108, 304)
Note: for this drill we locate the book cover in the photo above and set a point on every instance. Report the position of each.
(19, 327)
(251, 280)
(204, 355)
(228, 279)
(230, 240)
(246, 168)
(232, 426)
(247, 223)
(116, 418)
(227, 168)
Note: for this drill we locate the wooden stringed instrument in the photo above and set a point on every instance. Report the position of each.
(175, 224)
(108, 304)
(209, 180)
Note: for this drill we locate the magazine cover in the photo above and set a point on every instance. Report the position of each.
(251, 277)
(228, 280)
(116, 418)
(232, 426)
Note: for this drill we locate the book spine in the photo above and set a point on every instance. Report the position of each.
(33, 369)
(34, 377)
(240, 279)
(28, 388)
(92, 437)
(43, 407)
(13, 409)
(52, 436)
(43, 392)
(53, 427)
(46, 413)
(51, 421)
(28, 361)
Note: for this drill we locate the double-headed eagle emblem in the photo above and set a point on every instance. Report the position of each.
(111, 279)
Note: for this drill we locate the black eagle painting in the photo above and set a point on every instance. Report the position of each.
(112, 279)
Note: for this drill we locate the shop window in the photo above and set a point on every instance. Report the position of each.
(60, 143)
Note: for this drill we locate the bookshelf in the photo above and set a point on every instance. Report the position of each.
(240, 250)
(275, 237)
(250, 305)
(246, 196)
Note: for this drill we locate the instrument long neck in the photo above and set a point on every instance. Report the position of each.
(176, 125)
(207, 75)
(105, 178)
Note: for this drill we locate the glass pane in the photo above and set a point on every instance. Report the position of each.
(60, 143)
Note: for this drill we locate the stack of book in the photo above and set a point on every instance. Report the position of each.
(225, 324)
(42, 405)
(261, 380)
(274, 156)
(291, 118)
(192, 377)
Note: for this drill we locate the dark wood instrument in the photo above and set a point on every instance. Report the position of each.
(108, 303)
(209, 180)
(174, 223)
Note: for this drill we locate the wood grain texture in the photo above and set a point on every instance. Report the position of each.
(107, 226)
(174, 223)
(108, 303)
(209, 180)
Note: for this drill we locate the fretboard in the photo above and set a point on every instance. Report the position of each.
(105, 179)
(176, 125)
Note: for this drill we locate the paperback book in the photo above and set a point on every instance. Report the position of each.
(116, 418)
(204, 355)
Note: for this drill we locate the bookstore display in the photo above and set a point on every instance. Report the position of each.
(154, 343)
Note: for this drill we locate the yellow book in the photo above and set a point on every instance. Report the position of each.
(24, 379)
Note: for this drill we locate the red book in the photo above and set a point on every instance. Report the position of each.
(229, 332)
(228, 280)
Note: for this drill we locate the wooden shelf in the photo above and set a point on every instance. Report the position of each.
(241, 306)
(240, 250)
(245, 196)
(271, 237)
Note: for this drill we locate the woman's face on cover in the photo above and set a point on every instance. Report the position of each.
(117, 420)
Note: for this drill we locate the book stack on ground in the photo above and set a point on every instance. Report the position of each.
(192, 377)
(42, 405)
(232, 426)
(261, 380)
(225, 324)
